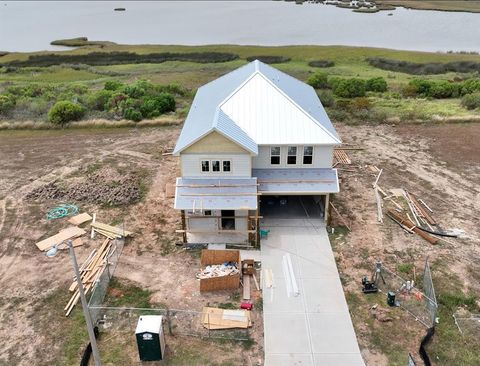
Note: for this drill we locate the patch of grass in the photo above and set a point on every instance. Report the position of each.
(406, 268)
(228, 305)
(123, 293)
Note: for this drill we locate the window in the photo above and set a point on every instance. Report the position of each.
(207, 212)
(205, 166)
(292, 155)
(227, 166)
(215, 165)
(307, 154)
(275, 155)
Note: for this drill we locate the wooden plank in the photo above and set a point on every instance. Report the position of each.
(341, 217)
(424, 212)
(79, 219)
(111, 229)
(246, 287)
(379, 205)
(68, 233)
(213, 318)
(256, 282)
(378, 177)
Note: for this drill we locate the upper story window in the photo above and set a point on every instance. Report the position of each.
(292, 155)
(227, 165)
(205, 166)
(275, 155)
(215, 165)
(307, 155)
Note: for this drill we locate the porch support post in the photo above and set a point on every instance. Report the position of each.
(327, 208)
(184, 227)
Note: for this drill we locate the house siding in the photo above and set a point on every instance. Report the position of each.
(322, 158)
(241, 165)
(214, 143)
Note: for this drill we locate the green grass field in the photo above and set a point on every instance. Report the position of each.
(350, 62)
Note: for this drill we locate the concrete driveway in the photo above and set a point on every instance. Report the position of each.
(313, 328)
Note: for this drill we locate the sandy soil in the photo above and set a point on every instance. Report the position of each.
(440, 164)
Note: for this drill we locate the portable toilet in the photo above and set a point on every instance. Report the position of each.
(150, 338)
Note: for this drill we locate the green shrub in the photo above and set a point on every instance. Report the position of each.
(376, 85)
(319, 80)
(7, 103)
(113, 85)
(155, 106)
(361, 104)
(444, 89)
(470, 86)
(99, 99)
(426, 68)
(321, 63)
(133, 114)
(134, 91)
(420, 86)
(453, 300)
(64, 112)
(327, 98)
(269, 59)
(471, 101)
(350, 88)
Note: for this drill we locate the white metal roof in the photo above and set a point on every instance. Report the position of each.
(269, 116)
(198, 194)
(150, 324)
(258, 104)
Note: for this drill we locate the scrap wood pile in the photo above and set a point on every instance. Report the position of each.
(341, 157)
(215, 318)
(219, 270)
(408, 211)
(90, 272)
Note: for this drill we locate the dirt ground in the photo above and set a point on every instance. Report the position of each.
(441, 164)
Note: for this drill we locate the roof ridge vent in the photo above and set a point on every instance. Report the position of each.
(257, 65)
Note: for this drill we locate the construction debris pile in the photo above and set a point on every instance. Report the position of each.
(105, 186)
(407, 210)
(219, 270)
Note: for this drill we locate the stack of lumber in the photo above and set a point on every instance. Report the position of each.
(409, 226)
(62, 236)
(215, 318)
(110, 232)
(90, 272)
(341, 157)
(219, 270)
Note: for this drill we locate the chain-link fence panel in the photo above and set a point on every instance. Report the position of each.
(407, 295)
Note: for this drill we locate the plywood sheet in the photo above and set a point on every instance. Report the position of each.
(79, 219)
(65, 234)
(215, 318)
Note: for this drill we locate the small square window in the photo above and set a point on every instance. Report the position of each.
(292, 155)
(215, 165)
(205, 166)
(207, 212)
(226, 166)
(307, 155)
(275, 155)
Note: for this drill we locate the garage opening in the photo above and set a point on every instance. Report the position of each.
(293, 207)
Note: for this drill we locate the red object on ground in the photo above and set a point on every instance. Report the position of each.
(246, 306)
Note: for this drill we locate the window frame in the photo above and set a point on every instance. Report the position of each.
(208, 166)
(311, 156)
(279, 156)
(292, 156)
(219, 166)
(229, 165)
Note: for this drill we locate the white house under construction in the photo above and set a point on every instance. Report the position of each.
(256, 142)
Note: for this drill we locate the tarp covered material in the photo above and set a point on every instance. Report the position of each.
(198, 194)
(297, 181)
